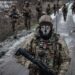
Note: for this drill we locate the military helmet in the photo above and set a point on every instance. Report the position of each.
(39, 2)
(13, 5)
(45, 27)
(43, 13)
(45, 18)
(27, 3)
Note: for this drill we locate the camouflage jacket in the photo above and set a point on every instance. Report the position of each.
(56, 56)
(27, 11)
(14, 15)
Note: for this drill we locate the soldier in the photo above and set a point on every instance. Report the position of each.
(39, 10)
(64, 10)
(51, 53)
(48, 9)
(73, 8)
(55, 57)
(14, 15)
(54, 9)
(27, 15)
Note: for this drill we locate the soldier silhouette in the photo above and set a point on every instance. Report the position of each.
(48, 9)
(14, 15)
(39, 10)
(54, 9)
(64, 10)
(27, 15)
(73, 8)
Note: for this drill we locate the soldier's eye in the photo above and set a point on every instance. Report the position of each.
(43, 27)
(46, 27)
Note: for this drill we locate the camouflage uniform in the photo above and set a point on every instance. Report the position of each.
(48, 9)
(64, 10)
(27, 15)
(52, 53)
(39, 10)
(48, 47)
(14, 15)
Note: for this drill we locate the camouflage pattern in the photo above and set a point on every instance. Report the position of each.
(48, 9)
(53, 51)
(27, 15)
(39, 10)
(57, 61)
(14, 15)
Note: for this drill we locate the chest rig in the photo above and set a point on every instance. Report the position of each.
(47, 51)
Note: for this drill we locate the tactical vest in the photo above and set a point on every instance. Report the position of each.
(14, 15)
(26, 12)
(48, 52)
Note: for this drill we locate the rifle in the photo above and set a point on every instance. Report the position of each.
(44, 70)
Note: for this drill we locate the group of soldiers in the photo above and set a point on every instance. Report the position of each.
(65, 10)
(26, 13)
(15, 15)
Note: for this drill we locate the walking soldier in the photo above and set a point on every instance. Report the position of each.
(27, 15)
(64, 10)
(54, 9)
(39, 10)
(14, 15)
(48, 9)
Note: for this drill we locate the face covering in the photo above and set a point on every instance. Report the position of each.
(45, 29)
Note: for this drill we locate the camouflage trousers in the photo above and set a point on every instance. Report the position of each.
(27, 22)
(13, 25)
